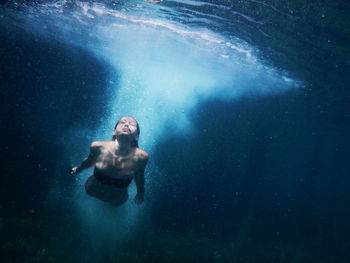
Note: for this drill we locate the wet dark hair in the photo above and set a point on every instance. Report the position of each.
(134, 143)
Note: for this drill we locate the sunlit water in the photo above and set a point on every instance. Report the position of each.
(165, 63)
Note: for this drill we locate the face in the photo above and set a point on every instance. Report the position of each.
(127, 126)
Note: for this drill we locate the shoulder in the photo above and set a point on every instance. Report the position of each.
(141, 155)
(96, 145)
(141, 159)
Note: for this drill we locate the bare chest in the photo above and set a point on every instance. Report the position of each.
(116, 165)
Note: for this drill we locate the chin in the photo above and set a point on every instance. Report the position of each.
(123, 135)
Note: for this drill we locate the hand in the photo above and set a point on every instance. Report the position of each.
(74, 170)
(138, 198)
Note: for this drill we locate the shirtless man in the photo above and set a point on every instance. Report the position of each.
(117, 163)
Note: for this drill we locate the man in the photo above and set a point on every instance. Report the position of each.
(117, 163)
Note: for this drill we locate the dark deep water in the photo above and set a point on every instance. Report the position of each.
(257, 176)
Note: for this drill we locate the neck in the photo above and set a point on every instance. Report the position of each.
(123, 146)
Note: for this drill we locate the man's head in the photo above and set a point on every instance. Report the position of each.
(127, 126)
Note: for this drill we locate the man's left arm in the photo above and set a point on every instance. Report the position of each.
(140, 179)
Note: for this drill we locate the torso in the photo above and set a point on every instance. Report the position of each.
(117, 166)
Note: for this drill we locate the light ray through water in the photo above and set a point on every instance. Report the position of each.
(165, 70)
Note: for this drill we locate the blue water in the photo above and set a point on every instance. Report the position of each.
(243, 108)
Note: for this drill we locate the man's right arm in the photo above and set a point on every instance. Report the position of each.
(90, 160)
